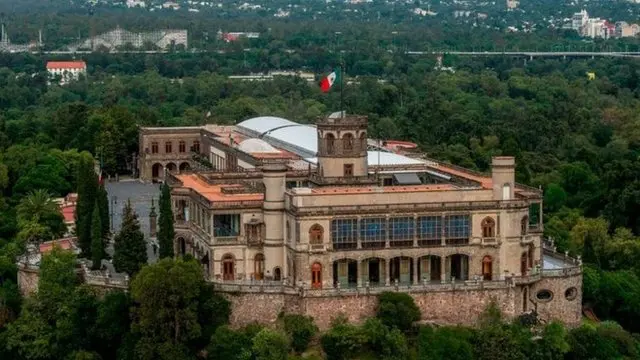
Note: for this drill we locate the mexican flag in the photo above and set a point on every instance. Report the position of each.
(328, 81)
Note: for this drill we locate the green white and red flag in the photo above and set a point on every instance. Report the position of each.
(327, 82)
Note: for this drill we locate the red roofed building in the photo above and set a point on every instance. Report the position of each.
(65, 71)
(68, 210)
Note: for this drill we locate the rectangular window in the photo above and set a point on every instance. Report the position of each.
(168, 147)
(401, 231)
(429, 230)
(348, 170)
(182, 146)
(226, 225)
(154, 147)
(344, 233)
(373, 232)
(457, 229)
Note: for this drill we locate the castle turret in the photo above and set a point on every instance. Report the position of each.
(274, 178)
(342, 146)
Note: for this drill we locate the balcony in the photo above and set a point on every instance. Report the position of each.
(226, 240)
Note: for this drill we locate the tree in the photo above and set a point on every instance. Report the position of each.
(227, 343)
(300, 330)
(130, 249)
(97, 240)
(397, 310)
(38, 208)
(343, 341)
(165, 222)
(103, 206)
(270, 345)
(87, 189)
(166, 295)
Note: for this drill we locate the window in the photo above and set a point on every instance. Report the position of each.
(429, 230)
(347, 141)
(344, 233)
(258, 267)
(544, 295)
(196, 146)
(315, 234)
(456, 229)
(228, 267)
(154, 147)
(288, 231)
(182, 146)
(487, 268)
(330, 142)
(316, 275)
(168, 147)
(373, 232)
(348, 170)
(524, 225)
(571, 293)
(226, 225)
(488, 228)
(401, 231)
(506, 192)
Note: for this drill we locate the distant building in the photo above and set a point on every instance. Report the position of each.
(512, 4)
(623, 29)
(119, 37)
(579, 20)
(234, 36)
(65, 71)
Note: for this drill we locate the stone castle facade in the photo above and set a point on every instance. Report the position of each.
(319, 219)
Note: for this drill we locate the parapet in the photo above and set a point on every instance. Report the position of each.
(503, 161)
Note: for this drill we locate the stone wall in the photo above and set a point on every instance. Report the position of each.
(28, 280)
(458, 306)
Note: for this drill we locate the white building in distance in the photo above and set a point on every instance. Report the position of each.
(65, 71)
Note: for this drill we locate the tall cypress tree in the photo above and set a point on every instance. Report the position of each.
(97, 240)
(87, 187)
(165, 223)
(103, 206)
(130, 249)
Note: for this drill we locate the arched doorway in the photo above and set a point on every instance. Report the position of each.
(373, 271)
(401, 270)
(258, 267)
(316, 276)
(277, 274)
(228, 267)
(171, 167)
(182, 245)
(459, 267)
(487, 268)
(345, 272)
(185, 167)
(157, 170)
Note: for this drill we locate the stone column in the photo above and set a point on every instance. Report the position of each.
(416, 262)
(443, 239)
(443, 269)
(359, 277)
(387, 273)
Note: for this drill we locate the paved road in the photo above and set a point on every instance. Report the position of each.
(140, 195)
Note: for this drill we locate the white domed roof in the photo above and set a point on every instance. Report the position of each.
(256, 146)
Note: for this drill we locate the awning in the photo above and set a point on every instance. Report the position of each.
(407, 179)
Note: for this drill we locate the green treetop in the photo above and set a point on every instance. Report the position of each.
(87, 189)
(103, 206)
(130, 251)
(165, 231)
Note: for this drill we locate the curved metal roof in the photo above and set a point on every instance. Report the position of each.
(262, 124)
(382, 158)
(299, 139)
(256, 146)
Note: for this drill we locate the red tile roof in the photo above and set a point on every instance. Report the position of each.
(66, 65)
(69, 211)
(64, 244)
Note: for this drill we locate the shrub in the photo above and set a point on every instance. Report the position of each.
(445, 343)
(270, 345)
(397, 310)
(343, 341)
(230, 344)
(300, 330)
(386, 343)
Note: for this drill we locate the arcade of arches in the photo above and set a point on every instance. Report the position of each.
(401, 270)
(158, 169)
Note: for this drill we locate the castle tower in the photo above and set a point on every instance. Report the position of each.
(274, 179)
(342, 146)
(503, 172)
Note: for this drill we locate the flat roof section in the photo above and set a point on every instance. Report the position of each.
(214, 192)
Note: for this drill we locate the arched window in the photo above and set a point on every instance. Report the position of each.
(347, 141)
(154, 147)
(316, 276)
(168, 147)
(258, 267)
(524, 225)
(487, 268)
(277, 274)
(182, 146)
(228, 267)
(196, 146)
(316, 234)
(330, 142)
(488, 228)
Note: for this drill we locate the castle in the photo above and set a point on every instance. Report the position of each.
(318, 219)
